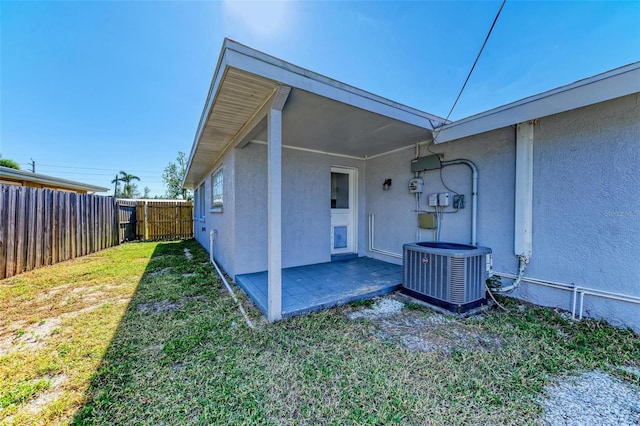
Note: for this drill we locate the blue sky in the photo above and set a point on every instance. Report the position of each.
(91, 88)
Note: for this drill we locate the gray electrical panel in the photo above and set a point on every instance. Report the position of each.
(430, 162)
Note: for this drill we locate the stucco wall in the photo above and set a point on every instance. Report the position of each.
(395, 216)
(224, 222)
(586, 208)
(586, 217)
(306, 186)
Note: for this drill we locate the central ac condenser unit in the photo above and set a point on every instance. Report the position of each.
(449, 275)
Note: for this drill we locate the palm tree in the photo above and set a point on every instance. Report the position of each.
(129, 187)
(116, 189)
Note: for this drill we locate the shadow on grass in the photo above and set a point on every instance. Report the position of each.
(182, 355)
(174, 309)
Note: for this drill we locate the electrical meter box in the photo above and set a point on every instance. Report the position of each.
(415, 185)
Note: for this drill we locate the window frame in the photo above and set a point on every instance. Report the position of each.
(216, 180)
(201, 201)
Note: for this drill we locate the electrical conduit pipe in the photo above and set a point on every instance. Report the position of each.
(372, 218)
(224, 280)
(474, 194)
(576, 290)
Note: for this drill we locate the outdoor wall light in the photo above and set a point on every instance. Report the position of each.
(386, 185)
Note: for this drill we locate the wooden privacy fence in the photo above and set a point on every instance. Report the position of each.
(164, 219)
(127, 219)
(42, 226)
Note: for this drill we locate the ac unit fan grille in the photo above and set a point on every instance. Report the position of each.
(454, 281)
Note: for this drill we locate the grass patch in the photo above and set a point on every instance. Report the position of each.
(365, 303)
(178, 352)
(22, 392)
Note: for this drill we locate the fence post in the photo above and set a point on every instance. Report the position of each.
(146, 220)
(3, 221)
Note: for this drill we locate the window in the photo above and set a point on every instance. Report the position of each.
(201, 201)
(196, 203)
(217, 189)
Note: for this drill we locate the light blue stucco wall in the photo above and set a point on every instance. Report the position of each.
(586, 204)
(241, 245)
(395, 216)
(587, 207)
(224, 222)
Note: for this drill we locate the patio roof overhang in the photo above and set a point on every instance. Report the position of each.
(320, 114)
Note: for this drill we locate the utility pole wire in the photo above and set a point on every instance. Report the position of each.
(486, 39)
(33, 165)
(115, 189)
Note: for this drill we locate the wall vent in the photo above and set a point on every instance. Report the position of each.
(448, 275)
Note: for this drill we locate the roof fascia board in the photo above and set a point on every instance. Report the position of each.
(219, 73)
(602, 87)
(258, 63)
(8, 172)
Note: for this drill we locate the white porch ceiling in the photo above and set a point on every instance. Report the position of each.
(313, 122)
(321, 114)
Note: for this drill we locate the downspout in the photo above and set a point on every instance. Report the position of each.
(474, 195)
(523, 215)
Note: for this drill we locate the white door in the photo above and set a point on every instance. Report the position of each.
(343, 210)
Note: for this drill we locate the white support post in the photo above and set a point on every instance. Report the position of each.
(274, 208)
(524, 190)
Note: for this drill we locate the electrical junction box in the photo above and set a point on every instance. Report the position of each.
(422, 164)
(433, 200)
(443, 199)
(427, 220)
(416, 185)
(458, 201)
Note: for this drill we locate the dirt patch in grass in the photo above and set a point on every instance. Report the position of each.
(52, 393)
(419, 329)
(163, 271)
(433, 332)
(20, 336)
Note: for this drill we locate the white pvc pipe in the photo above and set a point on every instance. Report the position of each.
(474, 194)
(576, 309)
(371, 244)
(224, 280)
(605, 295)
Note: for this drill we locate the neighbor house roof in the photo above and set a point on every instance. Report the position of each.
(24, 178)
(599, 88)
(321, 114)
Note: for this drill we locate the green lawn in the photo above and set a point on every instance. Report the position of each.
(139, 334)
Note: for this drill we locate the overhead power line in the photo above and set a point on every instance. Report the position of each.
(46, 170)
(486, 39)
(94, 168)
